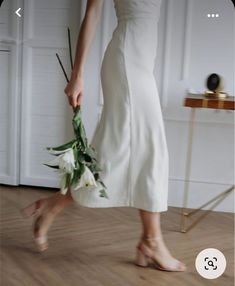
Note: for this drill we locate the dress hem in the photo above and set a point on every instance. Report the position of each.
(122, 205)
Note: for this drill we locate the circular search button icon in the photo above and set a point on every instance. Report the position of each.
(210, 263)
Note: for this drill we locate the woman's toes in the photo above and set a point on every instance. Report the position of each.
(181, 266)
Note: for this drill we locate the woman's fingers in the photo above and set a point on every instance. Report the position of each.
(74, 93)
(79, 98)
(74, 101)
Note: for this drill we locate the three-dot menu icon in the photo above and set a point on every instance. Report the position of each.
(213, 15)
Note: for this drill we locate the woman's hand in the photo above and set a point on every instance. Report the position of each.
(74, 91)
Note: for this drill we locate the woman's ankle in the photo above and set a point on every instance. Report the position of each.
(152, 240)
(151, 236)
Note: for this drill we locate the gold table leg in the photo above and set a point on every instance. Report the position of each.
(184, 214)
(219, 198)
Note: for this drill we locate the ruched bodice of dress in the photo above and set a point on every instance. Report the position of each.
(127, 9)
(137, 29)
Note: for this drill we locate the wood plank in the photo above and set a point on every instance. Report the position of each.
(90, 246)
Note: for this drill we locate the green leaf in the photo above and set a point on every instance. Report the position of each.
(82, 135)
(103, 194)
(81, 157)
(102, 184)
(91, 152)
(87, 157)
(54, 167)
(75, 154)
(78, 127)
(96, 176)
(62, 147)
(95, 167)
(77, 118)
(77, 174)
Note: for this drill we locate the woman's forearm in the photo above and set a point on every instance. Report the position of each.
(86, 33)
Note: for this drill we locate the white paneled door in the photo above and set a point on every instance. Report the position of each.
(45, 113)
(10, 51)
(34, 112)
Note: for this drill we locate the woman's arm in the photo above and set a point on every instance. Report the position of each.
(74, 89)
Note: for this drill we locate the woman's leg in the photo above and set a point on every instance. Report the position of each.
(151, 223)
(51, 207)
(153, 238)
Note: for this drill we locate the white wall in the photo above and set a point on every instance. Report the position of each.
(199, 46)
(191, 46)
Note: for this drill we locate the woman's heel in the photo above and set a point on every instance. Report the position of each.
(141, 259)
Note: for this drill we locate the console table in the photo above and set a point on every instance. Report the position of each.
(201, 101)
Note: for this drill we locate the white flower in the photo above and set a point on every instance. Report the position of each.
(63, 187)
(87, 179)
(65, 161)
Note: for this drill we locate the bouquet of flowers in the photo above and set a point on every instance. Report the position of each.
(76, 160)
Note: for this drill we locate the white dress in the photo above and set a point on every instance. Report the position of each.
(130, 137)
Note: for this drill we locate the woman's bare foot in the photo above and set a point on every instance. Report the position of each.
(152, 245)
(48, 210)
(159, 253)
(44, 219)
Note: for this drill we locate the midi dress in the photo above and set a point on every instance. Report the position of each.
(130, 138)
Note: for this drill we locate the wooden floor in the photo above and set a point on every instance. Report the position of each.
(90, 246)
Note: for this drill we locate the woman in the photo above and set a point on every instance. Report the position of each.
(130, 137)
